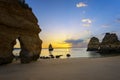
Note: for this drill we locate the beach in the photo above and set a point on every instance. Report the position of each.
(106, 68)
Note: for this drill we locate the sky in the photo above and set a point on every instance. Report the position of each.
(71, 23)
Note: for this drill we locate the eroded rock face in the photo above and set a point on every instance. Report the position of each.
(18, 22)
(93, 45)
(110, 43)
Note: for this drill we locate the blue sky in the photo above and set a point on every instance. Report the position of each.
(66, 23)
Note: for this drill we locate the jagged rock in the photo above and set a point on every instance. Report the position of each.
(110, 43)
(110, 38)
(93, 45)
(17, 21)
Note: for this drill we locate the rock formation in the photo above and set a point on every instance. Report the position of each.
(18, 22)
(93, 45)
(110, 43)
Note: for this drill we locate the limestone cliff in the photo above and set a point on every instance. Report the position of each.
(17, 21)
(93, 45)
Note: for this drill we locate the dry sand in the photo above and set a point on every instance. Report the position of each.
(64, 69)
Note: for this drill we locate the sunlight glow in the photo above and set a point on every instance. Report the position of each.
(74, 21)
(17, 45)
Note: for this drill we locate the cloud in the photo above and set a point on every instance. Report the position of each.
(86, 22)
(79, 40)
(78, 43)
(80, 35)
(83, 12)
(81, 4)
(72, 41)
(86, 25)
(106, 25)
(118, 20)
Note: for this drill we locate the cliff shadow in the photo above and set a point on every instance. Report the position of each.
(109, 53)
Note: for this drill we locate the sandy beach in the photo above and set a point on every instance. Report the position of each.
(64, 69)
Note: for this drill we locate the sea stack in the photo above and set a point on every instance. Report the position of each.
(93, 44)
(17, 21)
(109, 44)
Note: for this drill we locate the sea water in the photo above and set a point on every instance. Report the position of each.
(74, 52)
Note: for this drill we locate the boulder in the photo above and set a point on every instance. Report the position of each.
(17, 21)
(93, 44)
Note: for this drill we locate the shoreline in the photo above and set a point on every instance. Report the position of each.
(106, 68)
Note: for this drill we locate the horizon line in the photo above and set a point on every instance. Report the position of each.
(58, 47)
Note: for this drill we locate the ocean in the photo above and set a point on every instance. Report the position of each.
(74, 52)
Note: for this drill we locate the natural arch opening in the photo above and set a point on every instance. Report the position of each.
(17, 50)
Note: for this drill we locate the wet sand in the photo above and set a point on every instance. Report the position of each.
(64, 69)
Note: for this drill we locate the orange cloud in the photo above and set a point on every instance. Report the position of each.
(81, 4)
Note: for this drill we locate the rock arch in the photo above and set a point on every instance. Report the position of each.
(17, 22)
(30, 48)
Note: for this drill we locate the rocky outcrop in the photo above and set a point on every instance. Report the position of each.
(110, 43)
(93, 45)
(18, 22)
